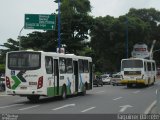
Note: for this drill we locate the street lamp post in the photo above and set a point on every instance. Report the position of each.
(19, 37)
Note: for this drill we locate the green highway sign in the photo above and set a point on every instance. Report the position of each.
(40, 21)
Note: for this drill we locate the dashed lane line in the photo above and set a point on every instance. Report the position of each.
(26, 108)
(117, 98)
(68, 105)
(88, 109)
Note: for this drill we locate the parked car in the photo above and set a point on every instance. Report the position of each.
(98, 81)
(2, 84)
(106, 78)
(116, 79)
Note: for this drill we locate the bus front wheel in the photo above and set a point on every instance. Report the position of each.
(84, 90)
(64, 93)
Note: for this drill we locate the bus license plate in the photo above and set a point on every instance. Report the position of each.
(23, 88)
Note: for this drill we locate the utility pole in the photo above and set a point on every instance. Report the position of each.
(126, 45)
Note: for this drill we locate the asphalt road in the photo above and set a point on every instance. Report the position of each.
(100, 100)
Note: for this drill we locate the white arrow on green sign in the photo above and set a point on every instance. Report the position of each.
(40, 21)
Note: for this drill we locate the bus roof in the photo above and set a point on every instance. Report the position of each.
(56, 54)
(139, 59)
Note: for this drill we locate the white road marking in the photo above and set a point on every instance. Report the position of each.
(118, 98)
(11, 106)
(150, 107)
(124, 107)
(68, 105)
(28, 107)
(88, 109)
(100, 92)
(136, 92)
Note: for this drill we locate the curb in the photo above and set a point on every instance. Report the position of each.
(2, 93)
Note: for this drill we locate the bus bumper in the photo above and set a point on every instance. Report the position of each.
(25, 93)
(140, 81)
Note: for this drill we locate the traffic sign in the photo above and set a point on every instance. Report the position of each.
(40, 21)
(140, 51)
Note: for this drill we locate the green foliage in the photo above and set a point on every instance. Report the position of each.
(108, 34)
(75, 23)
(46, 41)
(98, 73)
(12, 45)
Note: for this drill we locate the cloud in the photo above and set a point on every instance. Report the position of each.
(120, 7)
(12, 12)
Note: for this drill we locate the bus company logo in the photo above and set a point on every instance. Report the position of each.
(18, 79)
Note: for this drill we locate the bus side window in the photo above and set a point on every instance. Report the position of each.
(153, 66)
(85, 63)
(149, 66)
(62, 66)
(145, 66)
(69, 66)
(80, 63)
(49, 65)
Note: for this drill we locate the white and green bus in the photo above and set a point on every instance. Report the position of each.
(36, 73)
(138, 71)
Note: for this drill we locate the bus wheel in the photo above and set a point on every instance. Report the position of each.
(154, 81)
(84, 90)
(129, 85)
(64, 93)
(33, 99)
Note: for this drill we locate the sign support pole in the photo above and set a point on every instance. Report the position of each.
(59, 27)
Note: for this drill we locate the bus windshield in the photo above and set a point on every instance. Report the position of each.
(24, 60)
(132, 64)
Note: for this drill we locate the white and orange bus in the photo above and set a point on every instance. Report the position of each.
(138, 71)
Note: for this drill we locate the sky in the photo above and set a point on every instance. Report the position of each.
(12, 12)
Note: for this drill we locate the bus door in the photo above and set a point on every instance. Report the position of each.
(76, 75)
(56, 77)
(90, 75)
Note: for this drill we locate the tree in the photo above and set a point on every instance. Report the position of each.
(46, 41)
(101, 41)
(108, 39)
(12, 45)
(75, 23)
(151, 16)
